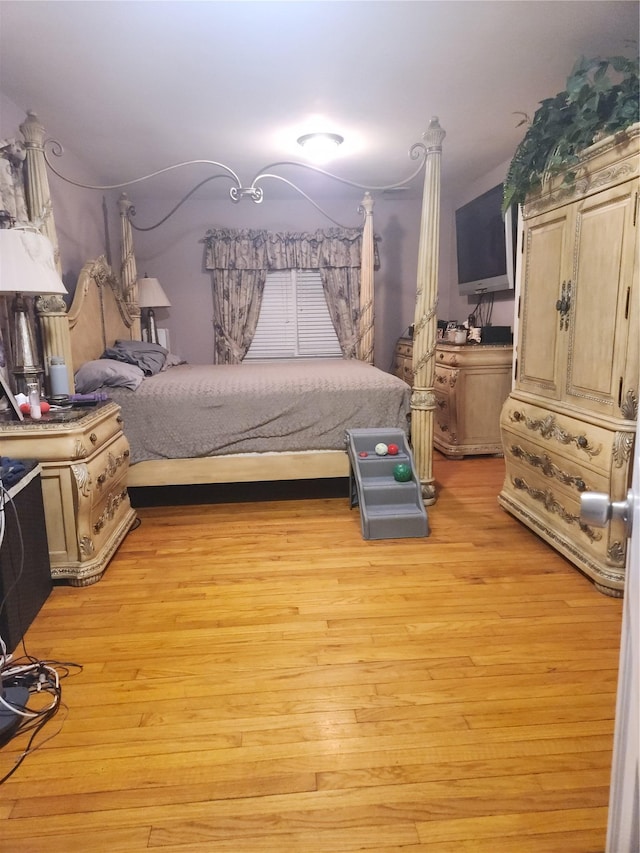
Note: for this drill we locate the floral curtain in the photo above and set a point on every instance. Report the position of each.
(239, 272)
(239, 262)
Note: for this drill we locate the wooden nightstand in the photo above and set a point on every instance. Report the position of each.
(471, 383)
(402, 360)
(84, 459)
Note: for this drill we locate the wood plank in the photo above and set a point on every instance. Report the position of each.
(256, 675)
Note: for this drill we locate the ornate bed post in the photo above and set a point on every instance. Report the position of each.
(425, 320)
(51, 310)
(54, 324)
(128, 269)
(365, 332)
(37, 181)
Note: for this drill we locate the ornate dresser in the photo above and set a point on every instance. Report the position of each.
(569, 424)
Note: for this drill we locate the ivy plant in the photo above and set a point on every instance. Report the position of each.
(602, 97)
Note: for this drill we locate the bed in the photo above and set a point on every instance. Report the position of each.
(263, 446)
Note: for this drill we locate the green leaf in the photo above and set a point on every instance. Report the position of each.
(567, 123)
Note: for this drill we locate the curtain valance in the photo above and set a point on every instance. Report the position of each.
(336, 248)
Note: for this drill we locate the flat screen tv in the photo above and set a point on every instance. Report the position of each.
(486, 244)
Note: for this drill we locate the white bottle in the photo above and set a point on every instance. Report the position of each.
(34, 403)
(58, 377)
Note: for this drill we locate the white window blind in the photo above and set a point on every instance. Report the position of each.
(294, 319)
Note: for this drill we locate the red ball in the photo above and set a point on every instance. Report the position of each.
(363, 453)
(25, 408)
(393, 449)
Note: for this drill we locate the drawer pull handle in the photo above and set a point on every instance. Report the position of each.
(553, 506)
(550, 429)
(110, 510)
(119, 419)
(93, 438)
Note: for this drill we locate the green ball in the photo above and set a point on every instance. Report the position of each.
(402, 472)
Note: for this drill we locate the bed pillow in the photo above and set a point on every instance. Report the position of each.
(107, 372)
(147, 356)
(172, 361)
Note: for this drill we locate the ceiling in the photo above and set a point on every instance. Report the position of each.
(132, 87)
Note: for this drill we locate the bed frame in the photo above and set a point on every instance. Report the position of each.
(101, 294)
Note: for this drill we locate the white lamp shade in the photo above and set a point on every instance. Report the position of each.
(27, 263)
(151, 294)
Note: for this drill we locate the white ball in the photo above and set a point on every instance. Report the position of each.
(381, 449)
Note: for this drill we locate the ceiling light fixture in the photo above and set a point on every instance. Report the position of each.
(320, 147)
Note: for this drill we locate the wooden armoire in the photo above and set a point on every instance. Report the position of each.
(569, 424)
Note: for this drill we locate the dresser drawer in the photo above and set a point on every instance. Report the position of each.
(475, 356)
(106, 467)
(404, 371)
(404, 349)
(583, 444)
(550, 461)
(555, 505)
(559, 471)
(105, 515)
(62, 441)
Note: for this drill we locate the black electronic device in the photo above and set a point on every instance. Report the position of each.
(16, 697)
(486, 244)
(496, 335)
(25, 568)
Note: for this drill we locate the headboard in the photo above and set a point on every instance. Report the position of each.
(98, 316)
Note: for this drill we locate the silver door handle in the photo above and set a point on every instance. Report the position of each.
(598, 509)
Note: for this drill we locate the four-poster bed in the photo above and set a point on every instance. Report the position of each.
(105, 310)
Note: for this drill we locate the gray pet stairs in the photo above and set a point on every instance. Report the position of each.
(389, 509)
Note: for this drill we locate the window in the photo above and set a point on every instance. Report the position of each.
(294, 319)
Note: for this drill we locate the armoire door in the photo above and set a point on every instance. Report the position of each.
(600, 315)
(545, 282)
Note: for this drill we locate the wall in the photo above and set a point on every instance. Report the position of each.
(79, 216)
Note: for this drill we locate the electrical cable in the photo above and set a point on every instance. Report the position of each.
(483, 312)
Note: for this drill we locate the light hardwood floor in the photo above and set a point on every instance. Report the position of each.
(257, 677)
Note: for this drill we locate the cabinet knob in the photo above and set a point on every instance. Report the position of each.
(93, 438)
(563, 305)
(119, 419)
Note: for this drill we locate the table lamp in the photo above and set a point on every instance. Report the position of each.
(26, 266)
(150, 296)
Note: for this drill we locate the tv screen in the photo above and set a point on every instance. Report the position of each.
(485, 244)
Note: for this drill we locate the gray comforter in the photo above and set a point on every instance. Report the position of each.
(213, 410)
